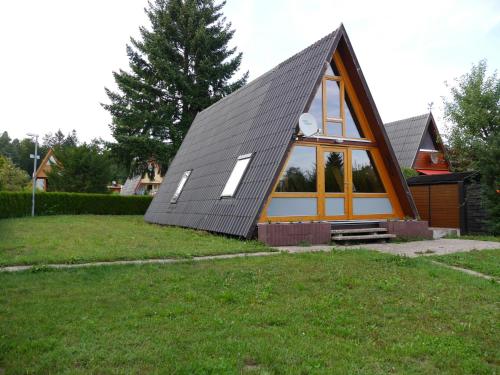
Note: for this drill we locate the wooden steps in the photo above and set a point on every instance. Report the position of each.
(361, 234)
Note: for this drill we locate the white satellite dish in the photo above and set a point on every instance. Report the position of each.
(308, 125)
(434, 158)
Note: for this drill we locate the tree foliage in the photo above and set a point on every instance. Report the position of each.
(474, 113)
(474, 136)
(82, 169)
(179, 66)
(12, 178)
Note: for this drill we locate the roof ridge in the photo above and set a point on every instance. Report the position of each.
(263, 75)
(425, 115)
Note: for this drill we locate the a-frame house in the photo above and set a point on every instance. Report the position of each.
(417, 144)
(44, 169)
(244, 160)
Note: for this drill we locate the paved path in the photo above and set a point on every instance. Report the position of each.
(411, 249)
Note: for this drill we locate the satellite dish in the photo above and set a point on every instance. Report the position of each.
(308, 125)
(434, 158)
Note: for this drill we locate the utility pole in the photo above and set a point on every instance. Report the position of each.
(35, 157)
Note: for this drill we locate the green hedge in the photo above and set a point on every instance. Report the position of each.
(14, 204)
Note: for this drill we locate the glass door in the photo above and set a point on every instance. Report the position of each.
(334, 183)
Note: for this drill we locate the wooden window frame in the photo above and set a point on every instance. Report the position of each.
(348, 194)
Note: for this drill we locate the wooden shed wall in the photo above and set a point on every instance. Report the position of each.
(438, 204)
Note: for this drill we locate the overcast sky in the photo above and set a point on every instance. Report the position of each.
(58, 55)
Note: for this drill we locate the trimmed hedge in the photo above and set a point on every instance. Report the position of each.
(13, 204)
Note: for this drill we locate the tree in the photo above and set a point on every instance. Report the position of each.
(83, 169)
(179, 67)
(59, 140)
(474, 137)
(474, 114)
(12, 178)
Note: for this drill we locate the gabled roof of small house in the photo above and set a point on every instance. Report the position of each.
(47, 161)
(130, 185)
(406, 136)
(260, 118)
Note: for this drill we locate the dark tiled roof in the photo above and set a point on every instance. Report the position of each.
(259, 118)
(405, 136)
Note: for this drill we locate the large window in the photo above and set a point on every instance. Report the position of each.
(180, 186)
(236, 175)
(332, 107)
(300, 172)
(365, 178)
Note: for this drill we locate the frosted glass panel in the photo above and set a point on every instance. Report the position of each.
(334, 206)
(368, 206)
(292, 207)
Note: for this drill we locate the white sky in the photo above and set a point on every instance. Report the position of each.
(58, 55)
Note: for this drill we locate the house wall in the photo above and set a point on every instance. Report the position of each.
(476, 214)
(424, 161)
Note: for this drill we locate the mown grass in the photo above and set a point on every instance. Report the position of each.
(352, 312)
(484, 261)
(85, 238)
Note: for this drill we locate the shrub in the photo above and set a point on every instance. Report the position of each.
(13, 204)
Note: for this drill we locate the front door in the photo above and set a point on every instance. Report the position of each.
(333, 181)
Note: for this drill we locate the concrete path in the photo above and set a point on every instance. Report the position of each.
(465, 270)
(410, 249)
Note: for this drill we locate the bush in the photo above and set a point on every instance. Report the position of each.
(13, 204)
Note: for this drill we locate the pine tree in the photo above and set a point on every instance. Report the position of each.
(180, 66)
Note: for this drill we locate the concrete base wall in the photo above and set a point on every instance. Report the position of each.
(292, 234)
(408, 228)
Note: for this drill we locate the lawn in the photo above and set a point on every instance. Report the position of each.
(484, 261)
(344, 312)
(77, 239)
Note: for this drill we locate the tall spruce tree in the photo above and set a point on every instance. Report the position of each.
(180, 66)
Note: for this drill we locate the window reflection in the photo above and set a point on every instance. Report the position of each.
(332, 99)
(316, 108)
(353, 129)
(300, 172)
(334, 172)
(365, 178)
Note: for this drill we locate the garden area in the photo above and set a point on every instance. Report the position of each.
(342, 311)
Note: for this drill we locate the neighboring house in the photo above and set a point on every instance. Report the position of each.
(417, 144)
(43, 170)
(146, 184)
(244, 162)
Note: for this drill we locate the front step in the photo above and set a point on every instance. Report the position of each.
(358, 230)
(385, 236)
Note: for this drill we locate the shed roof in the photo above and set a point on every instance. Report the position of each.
(260, 118)
(406, 135)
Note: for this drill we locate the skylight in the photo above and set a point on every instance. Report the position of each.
(180, 186)
(236, 175)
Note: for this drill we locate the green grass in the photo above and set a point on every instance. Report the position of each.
(77, 239)
(352, 312)
(484, 261)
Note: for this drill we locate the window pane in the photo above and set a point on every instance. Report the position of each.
(292, 207)
(365, 178)
(334, 172)
(316, 108)
(180, 186)
(300, 172)
(332, 99)
(334, 129)
(334, 206)
(353, 130)
(329, 71)
(368, 206)
(235, 177)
